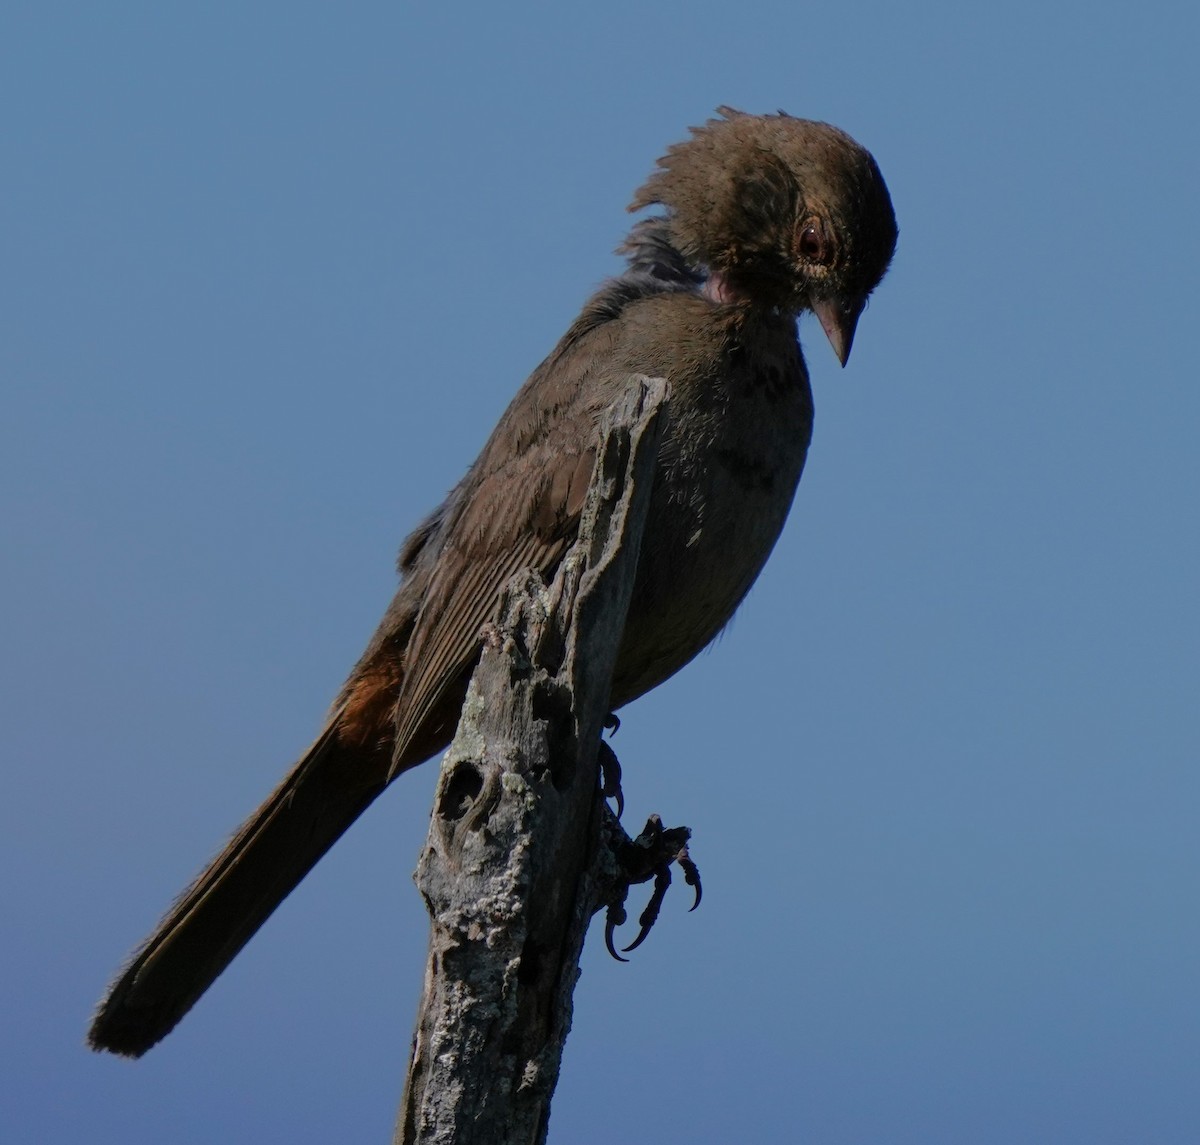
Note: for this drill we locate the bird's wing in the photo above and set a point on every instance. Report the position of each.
(520, 510)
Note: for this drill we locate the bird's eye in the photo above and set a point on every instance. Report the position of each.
(814, 244)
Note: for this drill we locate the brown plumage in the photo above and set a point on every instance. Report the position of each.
(765, 216)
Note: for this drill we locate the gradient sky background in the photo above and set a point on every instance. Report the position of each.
(269, 273)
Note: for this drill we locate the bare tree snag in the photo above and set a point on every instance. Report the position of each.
(521, 850)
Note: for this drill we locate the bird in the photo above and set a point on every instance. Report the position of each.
(763, 218)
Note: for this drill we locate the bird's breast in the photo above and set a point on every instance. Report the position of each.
(729, 464)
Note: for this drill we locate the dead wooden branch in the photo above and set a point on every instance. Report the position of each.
(521, 849)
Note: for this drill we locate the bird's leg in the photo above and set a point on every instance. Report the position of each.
(650, 855)
(610, 776)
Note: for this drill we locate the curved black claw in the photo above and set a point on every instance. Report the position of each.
(662, 880)
(615, 917)
(610, 776)
(612, 724)
(691, 875)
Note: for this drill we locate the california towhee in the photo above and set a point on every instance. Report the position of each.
(765, 216)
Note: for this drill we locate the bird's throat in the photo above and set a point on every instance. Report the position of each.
(717, 288)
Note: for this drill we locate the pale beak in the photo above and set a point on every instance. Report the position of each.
(839, 317)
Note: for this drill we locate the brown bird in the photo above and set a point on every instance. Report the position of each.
(765, 217)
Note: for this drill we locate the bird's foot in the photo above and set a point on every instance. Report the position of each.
(650, 855)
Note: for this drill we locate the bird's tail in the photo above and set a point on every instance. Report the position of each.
(216, 916)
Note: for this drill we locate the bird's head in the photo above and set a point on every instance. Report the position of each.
(778, 211)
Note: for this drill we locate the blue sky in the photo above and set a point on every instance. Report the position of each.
(270, 272)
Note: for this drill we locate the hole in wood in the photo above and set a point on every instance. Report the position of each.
(460, 790)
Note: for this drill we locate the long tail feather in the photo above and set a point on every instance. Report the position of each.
(217, 915)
